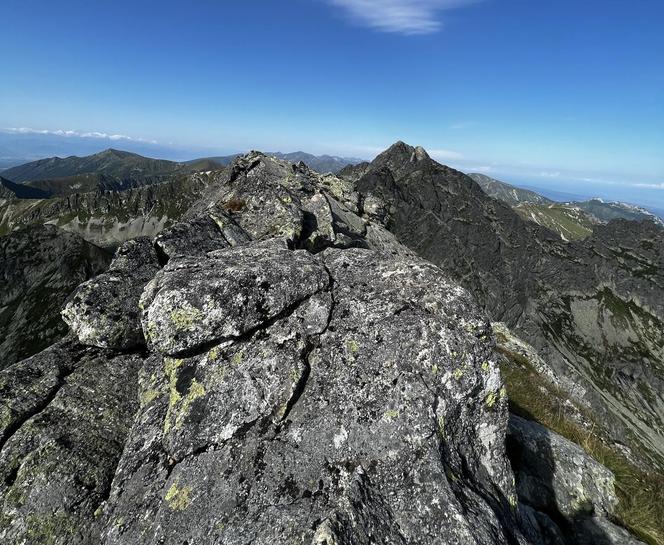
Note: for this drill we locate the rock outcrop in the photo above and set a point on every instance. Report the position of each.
(557, 481)
(104, 311)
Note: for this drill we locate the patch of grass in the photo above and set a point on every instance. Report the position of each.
(640, 493)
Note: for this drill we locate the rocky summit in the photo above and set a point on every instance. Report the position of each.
(308, 358)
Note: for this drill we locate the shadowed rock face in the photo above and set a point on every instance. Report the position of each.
(557, 480)
(305, 378)
(39, 267)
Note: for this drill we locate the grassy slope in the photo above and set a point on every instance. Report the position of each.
(641, 494)
(569, 222)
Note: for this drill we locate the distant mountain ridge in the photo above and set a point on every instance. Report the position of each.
(572, 219)
(110, 162)
(117, 170)
(507, 193)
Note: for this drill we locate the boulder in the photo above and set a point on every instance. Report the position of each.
(360, 405)
(104, 311)
(195, 302)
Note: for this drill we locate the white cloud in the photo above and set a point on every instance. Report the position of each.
(408, 17)
(549, 174)
(78, 134)
(444, 154)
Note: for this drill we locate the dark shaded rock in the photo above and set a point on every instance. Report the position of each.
(592, 310)
(39, 267)
(65, 416)
(104, 311)
(556, 475)
(569, 494)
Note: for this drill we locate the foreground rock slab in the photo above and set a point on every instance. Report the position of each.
(367, 411)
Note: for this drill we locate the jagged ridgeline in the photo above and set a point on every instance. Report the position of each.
(307, 358)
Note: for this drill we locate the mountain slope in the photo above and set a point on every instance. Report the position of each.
(108, 218)
(10, 190)
(569, 221)
(110, 162)
(609, 210)
(39, 267)
(507, 193)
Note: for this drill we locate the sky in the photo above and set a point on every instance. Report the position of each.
(567, 95)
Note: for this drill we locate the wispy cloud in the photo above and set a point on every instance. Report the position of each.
(444, 154)
(651, 186)
(407, 17)
(546, 174)
(463, 125)
(78, 134)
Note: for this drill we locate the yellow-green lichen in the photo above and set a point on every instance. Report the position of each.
(237, 358)
(513, 500)
(485, 366)
(177, 497)
(434, 369)
(213, 354)
(171, 366)
(457, 373)
(441, 426)
(196, 390)
(352, 346)
(491, 399)
(148, 396)
(391, 414)
(184, 318)
(50, 529)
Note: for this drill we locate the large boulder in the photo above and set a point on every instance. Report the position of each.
(104, 311)
(345, 398)
(569, 494)
(195, 302)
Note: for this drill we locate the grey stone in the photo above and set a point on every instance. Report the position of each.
(104, 311)
(369, 410)
(68, 422)
(194, 302)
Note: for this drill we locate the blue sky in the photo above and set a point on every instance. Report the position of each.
(566, 94)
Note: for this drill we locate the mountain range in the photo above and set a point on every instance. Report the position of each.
(388, 354)
(572, 219)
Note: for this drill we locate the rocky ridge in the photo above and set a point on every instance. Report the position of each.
(279, 367)
(107, 217)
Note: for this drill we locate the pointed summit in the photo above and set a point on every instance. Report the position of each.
(400, 157)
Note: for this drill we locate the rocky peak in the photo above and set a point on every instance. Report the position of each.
(400, 156)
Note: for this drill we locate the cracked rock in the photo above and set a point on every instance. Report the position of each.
(192, 303)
